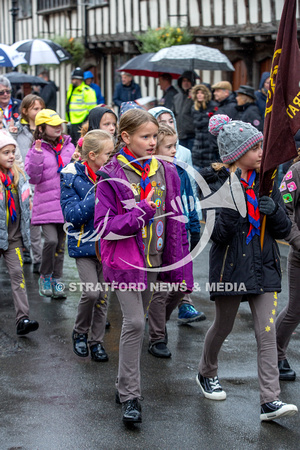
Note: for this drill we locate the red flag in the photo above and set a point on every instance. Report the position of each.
(282, 116)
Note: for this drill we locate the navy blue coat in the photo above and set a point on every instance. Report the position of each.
(126, 93)
(78, 204)
(231, 259)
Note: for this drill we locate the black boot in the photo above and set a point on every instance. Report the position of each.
(285, 372)
(132, 411)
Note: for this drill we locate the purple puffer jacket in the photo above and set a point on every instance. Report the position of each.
(129, 222)
(42, 170)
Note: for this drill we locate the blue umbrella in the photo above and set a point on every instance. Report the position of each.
(10, 57)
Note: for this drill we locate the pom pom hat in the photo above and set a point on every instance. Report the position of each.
(235, 138)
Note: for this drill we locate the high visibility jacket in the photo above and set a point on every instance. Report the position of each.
(80, 100)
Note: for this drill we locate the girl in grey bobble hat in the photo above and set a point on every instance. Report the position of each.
(239, 270)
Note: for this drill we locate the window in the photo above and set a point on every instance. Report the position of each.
(25, 9)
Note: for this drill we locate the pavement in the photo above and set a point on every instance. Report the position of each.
(53, 400)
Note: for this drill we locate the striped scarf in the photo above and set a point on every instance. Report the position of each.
(252, 206)
(144, 169)
(10, 203)
(57, 151)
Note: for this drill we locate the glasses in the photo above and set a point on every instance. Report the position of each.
(6, 91)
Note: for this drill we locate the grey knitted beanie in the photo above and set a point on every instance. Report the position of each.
(235, 137)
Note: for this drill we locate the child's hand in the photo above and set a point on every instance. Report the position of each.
(76, 156)
(149, 201)
(38, 145)
(11, 126)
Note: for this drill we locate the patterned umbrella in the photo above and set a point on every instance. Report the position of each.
(10, 57)
(192, 56)
(141, 65)
(41, 51)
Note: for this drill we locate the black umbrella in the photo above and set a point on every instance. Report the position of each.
(21, 78)
(141, 65)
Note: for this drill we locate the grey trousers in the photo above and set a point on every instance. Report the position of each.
(289, 318)
(263, 308)
(36, 243)
(53, 250)
(134, 306)
(161, 307)
(14, 263)
(92, 308)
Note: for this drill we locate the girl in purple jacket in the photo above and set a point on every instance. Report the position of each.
(50, 152)
(133, 211)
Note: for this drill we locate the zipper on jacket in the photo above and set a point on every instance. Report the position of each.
(80, 235)
(223, 264)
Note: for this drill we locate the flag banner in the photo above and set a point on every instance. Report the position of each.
(282, 116)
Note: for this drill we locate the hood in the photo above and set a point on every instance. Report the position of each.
(263, 78)
(190, 75)
(158, 110)
(96, 115)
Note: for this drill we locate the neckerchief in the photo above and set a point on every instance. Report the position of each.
(57, 151)
(10, 203)
(90, 173)
(7, 118)
(144, 169)
(252, 206)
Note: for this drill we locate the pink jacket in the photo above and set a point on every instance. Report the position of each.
(42, 170)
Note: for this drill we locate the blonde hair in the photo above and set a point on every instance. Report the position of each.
(131, 121)
(217, 166)
(164, 131)
(207, 96)
(16, 170)
(94, 141)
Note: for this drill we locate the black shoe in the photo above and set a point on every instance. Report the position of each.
(25, 326)
(285, 372)
(26, 257)
(276, 409)
(36, 267)
(132, 411)
(107, 325)
(159, 349)
(98, 353)
(80, 345)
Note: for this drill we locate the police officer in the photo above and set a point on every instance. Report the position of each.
(80, 100)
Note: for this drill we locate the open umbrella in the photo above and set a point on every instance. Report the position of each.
(141, 65)
(192, 56)
(10, 57)
(22, 78)
(41, 51)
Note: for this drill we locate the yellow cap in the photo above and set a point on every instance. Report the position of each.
(49, 117)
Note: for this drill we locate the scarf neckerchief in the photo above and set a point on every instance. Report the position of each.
(90, 173)
(144, 169)
(10, 203)
(252, 206)
(7, 118)
(57, 151)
